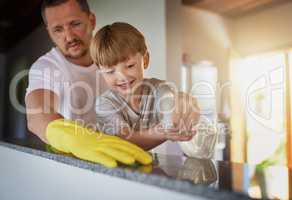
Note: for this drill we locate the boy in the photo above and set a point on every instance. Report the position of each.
(136, 109)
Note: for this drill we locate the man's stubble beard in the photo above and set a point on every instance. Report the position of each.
(66, 53)
(78, 56)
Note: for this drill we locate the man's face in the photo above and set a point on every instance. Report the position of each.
(70, 28)
(125, 77)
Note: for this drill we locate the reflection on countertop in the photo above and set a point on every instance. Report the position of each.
(182, 173)
(255, 181)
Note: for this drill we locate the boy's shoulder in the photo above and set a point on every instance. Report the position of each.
(106, 96)
(109, 98)
(153, 81)
(160, 86)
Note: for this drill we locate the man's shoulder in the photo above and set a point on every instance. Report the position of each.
(49, 60)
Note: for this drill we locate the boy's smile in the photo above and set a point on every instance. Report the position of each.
(126, 84)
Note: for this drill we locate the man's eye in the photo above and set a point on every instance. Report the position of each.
(76, 24)
(130, 66)
(57, 30)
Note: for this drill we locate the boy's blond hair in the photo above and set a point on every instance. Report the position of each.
(115, 43)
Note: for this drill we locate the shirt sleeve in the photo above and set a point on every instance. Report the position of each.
(44, 75)
(109, 117)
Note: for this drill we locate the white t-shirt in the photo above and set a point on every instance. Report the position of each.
(76, 86)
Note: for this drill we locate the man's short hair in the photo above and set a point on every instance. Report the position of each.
(51, 3)
(115, 43)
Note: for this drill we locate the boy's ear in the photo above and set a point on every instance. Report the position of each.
(146, 60)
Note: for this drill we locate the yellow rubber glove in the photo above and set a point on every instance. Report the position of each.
(70, 137)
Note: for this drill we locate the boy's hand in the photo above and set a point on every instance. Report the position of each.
(186, 114)
(180, 114)
(176, 136)
(172, 134)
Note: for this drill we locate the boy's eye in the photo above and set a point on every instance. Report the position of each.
(110, 72)
(107, 71)
(130, 66)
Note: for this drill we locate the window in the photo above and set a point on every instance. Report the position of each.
(259, 108)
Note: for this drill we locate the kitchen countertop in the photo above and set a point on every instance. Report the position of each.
(205, 178)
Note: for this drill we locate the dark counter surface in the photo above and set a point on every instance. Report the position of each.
(207, 178)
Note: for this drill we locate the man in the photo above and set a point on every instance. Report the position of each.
(63, 83)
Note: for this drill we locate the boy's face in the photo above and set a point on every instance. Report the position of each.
(126, 76)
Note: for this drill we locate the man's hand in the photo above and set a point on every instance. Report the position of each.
(69, 137)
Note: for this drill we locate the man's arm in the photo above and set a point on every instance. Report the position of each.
(41, 108)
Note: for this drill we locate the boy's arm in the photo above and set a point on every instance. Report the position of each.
(152, 137)
(143, 139)
(110, 121)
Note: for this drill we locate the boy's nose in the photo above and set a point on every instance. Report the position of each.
(121, 76)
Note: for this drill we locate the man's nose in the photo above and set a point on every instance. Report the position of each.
(69, 35)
